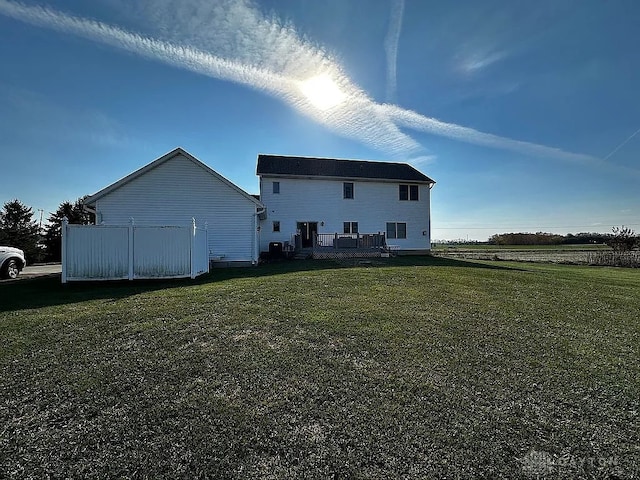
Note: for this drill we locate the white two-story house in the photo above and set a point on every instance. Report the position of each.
(319, 197)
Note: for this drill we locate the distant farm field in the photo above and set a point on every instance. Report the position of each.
(410, 368)
(569, 254)
(487, 247)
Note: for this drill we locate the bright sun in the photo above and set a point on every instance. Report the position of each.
(322, 91)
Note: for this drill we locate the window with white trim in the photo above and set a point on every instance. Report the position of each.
(396, 230)
(408, 192)
(347, 190)
(350, 227)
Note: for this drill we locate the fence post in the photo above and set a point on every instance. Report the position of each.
(131, 240)
(335, 241)
(65, 223)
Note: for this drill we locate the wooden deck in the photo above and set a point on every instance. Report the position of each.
(339, 246)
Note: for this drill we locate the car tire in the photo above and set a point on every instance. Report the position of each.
(10, 269)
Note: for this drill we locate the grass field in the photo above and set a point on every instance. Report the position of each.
(487, 247)
(413, 368)
(591, 254)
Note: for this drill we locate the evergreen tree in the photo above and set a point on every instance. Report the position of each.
(18, 229)
(76, 214)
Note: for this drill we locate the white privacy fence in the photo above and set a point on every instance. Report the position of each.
(113, 252)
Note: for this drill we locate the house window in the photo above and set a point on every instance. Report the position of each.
(408, 192)
(350, 227)
(401, 230)
(347, 189)
(276, 225)
(276, 187)
(396, 230)
(404, 192)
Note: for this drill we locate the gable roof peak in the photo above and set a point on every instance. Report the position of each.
(159, 161)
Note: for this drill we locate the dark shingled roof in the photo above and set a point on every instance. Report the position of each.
(331, 167)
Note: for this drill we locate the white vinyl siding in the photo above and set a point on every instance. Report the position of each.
(177, 190)
(321, 200)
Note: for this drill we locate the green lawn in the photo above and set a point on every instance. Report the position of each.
(412, 368)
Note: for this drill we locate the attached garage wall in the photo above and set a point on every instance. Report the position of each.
(173, 193)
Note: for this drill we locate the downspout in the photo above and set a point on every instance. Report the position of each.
(429, 225)
(256, 250)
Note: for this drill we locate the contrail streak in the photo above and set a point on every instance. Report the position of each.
(391, 42)
(358, 118)
(416, 121)
(183, 57)
(621, 145)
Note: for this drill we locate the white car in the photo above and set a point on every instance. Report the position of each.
(11, 262)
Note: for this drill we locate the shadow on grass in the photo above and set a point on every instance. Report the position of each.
(49, 291)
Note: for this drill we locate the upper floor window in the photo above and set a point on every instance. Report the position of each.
(276, 225)
(396, 230)
(276, 187)
(347, 189)
(350, 227)
(408, 192)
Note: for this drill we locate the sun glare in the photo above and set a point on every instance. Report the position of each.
(322, 92)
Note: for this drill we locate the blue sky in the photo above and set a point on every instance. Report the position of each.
(525, 113)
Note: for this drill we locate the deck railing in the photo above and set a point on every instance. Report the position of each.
(349, 240)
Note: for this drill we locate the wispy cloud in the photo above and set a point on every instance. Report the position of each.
(423, 160)
(266, 55)
(479, 60)
(391, 42)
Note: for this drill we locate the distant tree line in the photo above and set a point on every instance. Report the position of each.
(539, 238)
(19, 229)
(621, 239)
